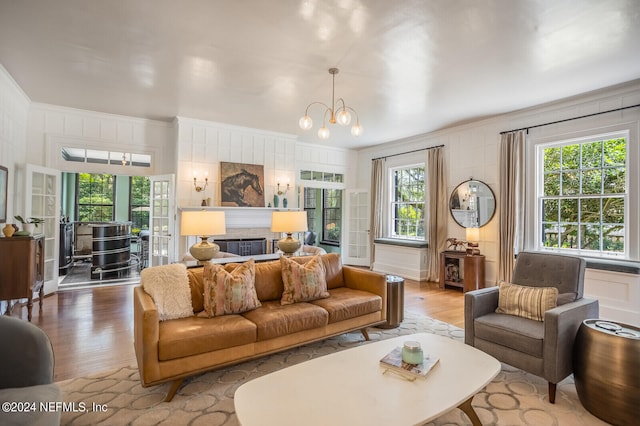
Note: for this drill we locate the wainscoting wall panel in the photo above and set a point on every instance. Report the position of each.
(618, 294)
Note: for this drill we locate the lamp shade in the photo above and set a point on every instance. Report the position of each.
(290, 221)
(202, 223)
(473, 234)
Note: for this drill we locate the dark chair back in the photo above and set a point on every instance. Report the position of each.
(564, 272)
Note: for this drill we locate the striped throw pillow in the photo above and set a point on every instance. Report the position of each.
(526, 302)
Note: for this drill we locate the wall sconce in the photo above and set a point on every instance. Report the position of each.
(279, 191)
(197, 187)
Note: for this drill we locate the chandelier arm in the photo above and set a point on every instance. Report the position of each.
(306, 111)
(324, 116)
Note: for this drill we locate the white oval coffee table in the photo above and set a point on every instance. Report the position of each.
(349, 387)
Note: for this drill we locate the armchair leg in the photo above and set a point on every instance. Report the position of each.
(552, 393)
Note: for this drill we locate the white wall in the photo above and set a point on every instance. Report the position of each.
(14, 109)
(202, 145)
(471, 150)
(51, 127)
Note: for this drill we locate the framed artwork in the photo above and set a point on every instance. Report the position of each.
(242, 184)
(4, 177)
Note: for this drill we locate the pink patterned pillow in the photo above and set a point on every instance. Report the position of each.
(230, 292)
(303, 283)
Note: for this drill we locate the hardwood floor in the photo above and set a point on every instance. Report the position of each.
(91, 330)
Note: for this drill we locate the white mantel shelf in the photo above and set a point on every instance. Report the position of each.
(243, 217)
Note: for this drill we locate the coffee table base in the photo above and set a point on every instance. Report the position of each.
(467, 408)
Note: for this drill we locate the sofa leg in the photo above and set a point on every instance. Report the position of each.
(175, 385)
(552, 393)
(365, 333)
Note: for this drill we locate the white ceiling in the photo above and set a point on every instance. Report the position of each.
(406, 66)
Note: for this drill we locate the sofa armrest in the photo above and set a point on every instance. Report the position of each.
(560, 329)
(476, 304)
(146, 335)
(365, 280)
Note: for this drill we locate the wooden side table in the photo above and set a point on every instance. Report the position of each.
(22, 270)
(460, 270)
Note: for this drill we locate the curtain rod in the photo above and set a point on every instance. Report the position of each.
(570, 119)
(408, 152)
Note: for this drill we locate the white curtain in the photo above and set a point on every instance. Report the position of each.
(436, 204)
(512, 199)
(377, 197)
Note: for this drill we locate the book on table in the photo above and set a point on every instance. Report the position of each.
(393, 362)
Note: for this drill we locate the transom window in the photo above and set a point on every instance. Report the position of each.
(321, 176)
(82, 155)
(583, 195)
(407, 202)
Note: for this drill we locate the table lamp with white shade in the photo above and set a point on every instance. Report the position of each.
(473, 235)
(289, 222)
(204, 224)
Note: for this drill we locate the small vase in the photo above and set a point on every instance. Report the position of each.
(8, 230)
(285, 203)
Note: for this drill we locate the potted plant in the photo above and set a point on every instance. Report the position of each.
(29, 225)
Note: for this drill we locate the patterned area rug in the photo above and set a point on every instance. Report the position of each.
(116, 398)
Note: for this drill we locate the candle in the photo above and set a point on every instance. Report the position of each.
(412, 353)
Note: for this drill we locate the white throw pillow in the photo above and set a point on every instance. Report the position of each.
(168, 286)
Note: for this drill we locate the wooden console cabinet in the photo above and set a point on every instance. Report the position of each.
(22, 270)
(458, 269)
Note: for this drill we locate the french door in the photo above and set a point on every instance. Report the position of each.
(162, 217)
(42, 200)
(357, 221)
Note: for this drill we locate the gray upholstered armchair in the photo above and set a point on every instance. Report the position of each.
(543, 348)
(26, 373)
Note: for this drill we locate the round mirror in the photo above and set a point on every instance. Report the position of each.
(472, 204)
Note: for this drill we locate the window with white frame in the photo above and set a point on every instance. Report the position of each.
(407, 202)
(582, 198)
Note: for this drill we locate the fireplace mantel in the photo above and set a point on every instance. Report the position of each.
(243, 217)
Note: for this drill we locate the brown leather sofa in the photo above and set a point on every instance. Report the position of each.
(174, 349)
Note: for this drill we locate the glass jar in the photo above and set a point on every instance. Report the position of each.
(412, 353)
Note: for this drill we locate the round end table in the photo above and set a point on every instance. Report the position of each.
(395, 302)
(606, 369)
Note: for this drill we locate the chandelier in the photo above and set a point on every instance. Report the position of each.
(339, 114)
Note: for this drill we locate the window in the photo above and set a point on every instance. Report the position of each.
(321, 176)
(583, 195)
(139, 200)
(95, 194)
(324, 214)
(407, 202)
(114, 158)
(310, 208)
(331, 216)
